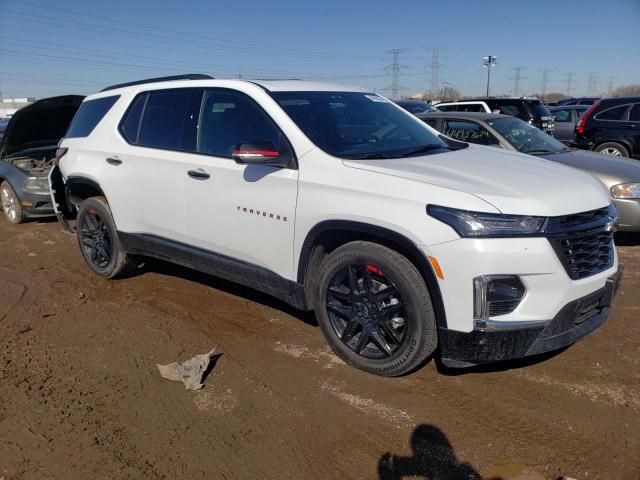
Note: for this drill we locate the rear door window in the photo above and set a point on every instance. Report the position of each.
(89, 115)
(473, 107)
(612, 114)
(164, 119)
(469, 132)
(446, 108)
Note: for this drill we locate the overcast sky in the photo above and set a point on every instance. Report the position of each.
(76, 46)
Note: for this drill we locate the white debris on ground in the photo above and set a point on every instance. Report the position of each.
(191, 372)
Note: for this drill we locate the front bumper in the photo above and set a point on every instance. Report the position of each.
(575, 320)
(36, 205)
(629, 214)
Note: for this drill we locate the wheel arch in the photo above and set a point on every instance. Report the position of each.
(328, 235)
(80, 188)
(621, 141)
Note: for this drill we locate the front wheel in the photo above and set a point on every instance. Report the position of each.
(10, 203)
(374, 309)
(98, 239)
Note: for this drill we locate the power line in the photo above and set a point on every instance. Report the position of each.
(395, 69)
(516, 78)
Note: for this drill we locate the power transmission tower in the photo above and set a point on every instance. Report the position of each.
(395, 69)
(545, 78)
(591, 86)
(435, 69)
(517, 77)
(569, 83)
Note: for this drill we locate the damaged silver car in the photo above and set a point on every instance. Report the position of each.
(27, 153)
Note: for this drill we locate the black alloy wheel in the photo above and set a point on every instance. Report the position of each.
(366, 311)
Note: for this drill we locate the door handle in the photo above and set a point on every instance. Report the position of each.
(114, 161)
(198, 174)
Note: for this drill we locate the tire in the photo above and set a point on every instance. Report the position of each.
(612, 148)
(98, 239)
(10, 203)
(388, 326)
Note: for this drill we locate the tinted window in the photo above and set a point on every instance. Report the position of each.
(164, 118)
(228, 118)
(130, 126)
(469, 132)
(634, 115)
(562, 116)
(616, 113)
(580, 111)
(357, 125)
(476, 107)
(446, 108)
(89, 115)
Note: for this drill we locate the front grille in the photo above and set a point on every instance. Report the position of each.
(584, 242)
(503, 307)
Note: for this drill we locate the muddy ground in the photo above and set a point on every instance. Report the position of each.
(80, 395)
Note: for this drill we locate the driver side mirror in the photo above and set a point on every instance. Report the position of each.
(258, 153)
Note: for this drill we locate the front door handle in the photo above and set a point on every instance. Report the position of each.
(114, 161)
(198, 174)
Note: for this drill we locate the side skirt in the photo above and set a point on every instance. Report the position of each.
(212, 263)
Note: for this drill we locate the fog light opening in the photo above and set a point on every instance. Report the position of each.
(495, 295)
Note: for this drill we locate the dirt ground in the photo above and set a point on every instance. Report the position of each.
(81, 397)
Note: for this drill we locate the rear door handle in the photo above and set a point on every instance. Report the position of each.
(198, 174)
(114, 161)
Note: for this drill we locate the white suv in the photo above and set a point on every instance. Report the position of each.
(332, 198)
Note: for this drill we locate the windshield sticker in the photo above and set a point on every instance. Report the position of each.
(460, 134)
(376, 98)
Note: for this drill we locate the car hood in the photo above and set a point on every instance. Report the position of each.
(43, 123)
(512, 182)
(610, 170)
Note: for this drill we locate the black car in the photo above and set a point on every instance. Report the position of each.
(531, 110)
(416, 106)
(575, 101)
(566, 118)
(611, 126)
(27, 152)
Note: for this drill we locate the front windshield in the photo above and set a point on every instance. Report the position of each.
(526, 138)
(358, 125)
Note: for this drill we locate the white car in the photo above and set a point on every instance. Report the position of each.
(332, 198)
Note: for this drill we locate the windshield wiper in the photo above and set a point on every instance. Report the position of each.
(369, 156)
(425, 149)
(538, 152)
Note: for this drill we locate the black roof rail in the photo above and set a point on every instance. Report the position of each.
(188, 76)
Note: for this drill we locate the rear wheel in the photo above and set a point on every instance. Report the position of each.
(374, 308)
(98, 239)
(10, 203)
(612, 148)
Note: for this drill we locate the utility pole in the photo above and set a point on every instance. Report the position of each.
(395, 69)
(488, 62)
(591, 86)
(517, 77)
(240, 72)
(569, 83)
(545, 78)
(435, 69)
(609, 87)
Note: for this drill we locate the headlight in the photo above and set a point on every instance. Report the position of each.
(626, 190)
(479, 224)
(37, 185)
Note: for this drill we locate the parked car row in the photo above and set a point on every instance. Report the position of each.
(409, 241)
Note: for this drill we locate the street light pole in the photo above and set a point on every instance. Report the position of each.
(489, 62)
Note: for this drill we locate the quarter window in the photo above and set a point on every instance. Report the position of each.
(164, 118)
(89, 115)
(616, 113)
(562, 116)
(634, 115)
(131, 123)
(228, 118)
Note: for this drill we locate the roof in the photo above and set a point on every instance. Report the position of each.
(477, 116)
(306, 86)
